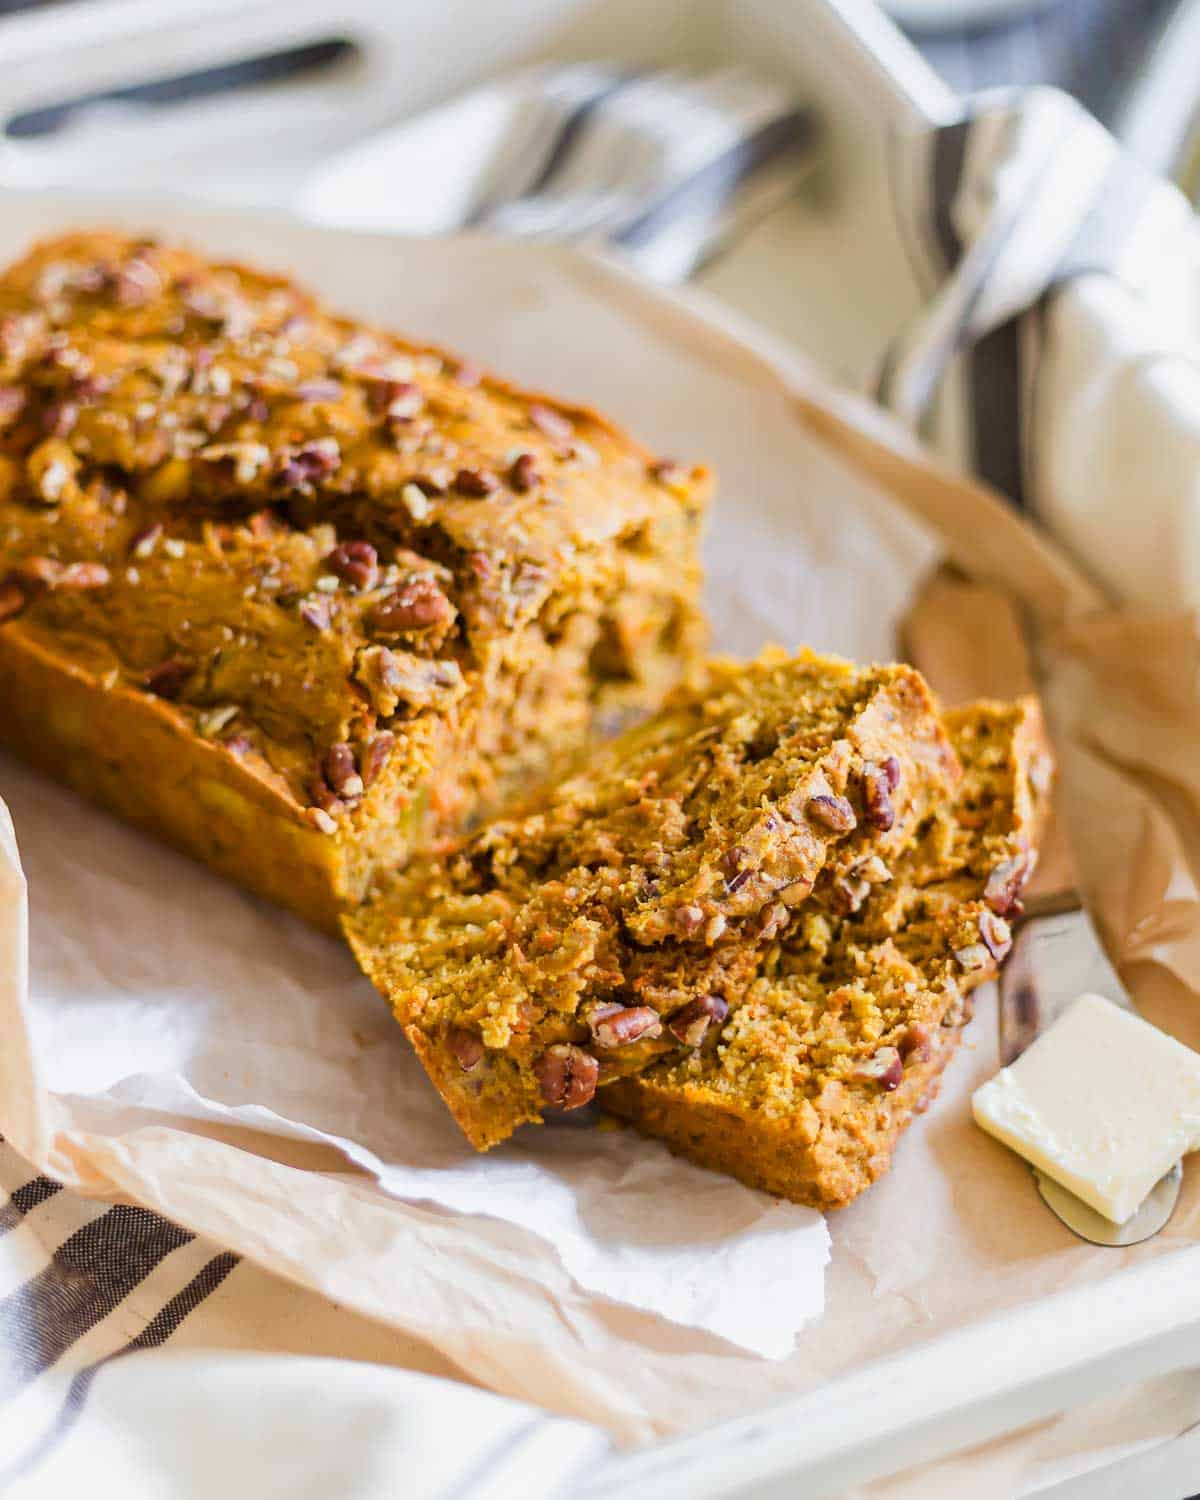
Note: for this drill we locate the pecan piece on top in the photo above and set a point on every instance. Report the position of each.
(341, 772)
(375, 756)
(355, 563)
(832, 812)
(877, 796)
(567, 1075)
(885, 1067)
(416, 605)
(466, 1047)
(621, 1025)
(1004, 885)
(523, 474)
(476, 484)
(996, 934)
(167, 679)
(692, 1023)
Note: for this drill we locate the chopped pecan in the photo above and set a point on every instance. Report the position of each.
(320, 820)
(567, 1075)
(399, 400)
(974, 956)
(318, 390)
(885, 1068)
(692, 1023)
(322, 795)
(916, 1042)
(551, 423)
(847, 896)
(523, 474)
(480, 564)
(59, 418)
(395, 677)
(466, 1047)
(832, 812)
(300, 470)
(433, 482)
(355, 563)
(145, 541)
(316, 611)
(167, 679)
(891, 769)
(688, 920)
(877, 797)
(341, 772)
(1004, 885)
(774, 920)
(416, 605)
(620, 1025)
(996, 934)
(375, 756)
(476, 484)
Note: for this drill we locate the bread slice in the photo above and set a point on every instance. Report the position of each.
(841, 1034)
(625, 916)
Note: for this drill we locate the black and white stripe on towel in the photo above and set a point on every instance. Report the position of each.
(998, 210)
(81, 1284)
(667, 165)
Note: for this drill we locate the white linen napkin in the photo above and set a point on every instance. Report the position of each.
(1057, 354)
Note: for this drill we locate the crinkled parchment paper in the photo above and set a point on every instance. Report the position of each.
(186, 1047)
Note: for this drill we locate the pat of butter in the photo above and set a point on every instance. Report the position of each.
(1103, 1102)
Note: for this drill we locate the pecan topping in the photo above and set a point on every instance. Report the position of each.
(476, 484)
(996, 934)
(167, 679)
(551, 423)
(832, 812)
(301, 469)
(395, 677)
(774, 920)
(322, 795)
(416, 605)
(145, 541)
(466, 1047)
(619, 1025)
(13, 599)
(320, 820)
(848, 895)
(480, 564)
(523, 475)
(688, 920)
(567, 1075)
(1004, 885)
(891, 769)
(355, 563)
(341, 772)
(691, 1024)
(884, 1068)
(435, 482)
(974, 956)
(877, 797)
(375, 756)
(916, 1042)
(400, 400)
(315, 612)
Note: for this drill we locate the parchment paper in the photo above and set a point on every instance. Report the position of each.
(200, 1054)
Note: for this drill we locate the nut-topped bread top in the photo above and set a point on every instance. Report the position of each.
(220, 492)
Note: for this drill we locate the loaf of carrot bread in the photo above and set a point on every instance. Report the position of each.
(840, 1036)
(295, 594)
(559, 950)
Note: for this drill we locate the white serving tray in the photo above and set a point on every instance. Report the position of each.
(955, 1390)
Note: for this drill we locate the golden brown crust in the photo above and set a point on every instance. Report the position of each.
(336, 557)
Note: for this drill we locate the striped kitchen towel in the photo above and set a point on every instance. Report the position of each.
(1056, 353)
(667, 166)
(91, 1402)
